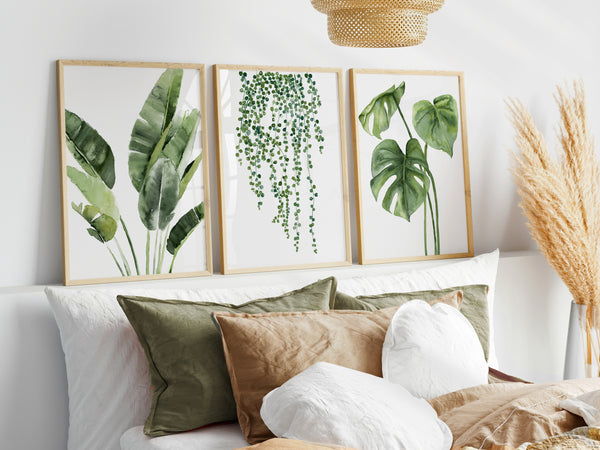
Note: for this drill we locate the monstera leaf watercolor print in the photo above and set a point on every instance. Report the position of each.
(411, 156)
(135, 189)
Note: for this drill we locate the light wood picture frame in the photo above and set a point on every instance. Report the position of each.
(411, 165)
(134, 171)
(282, 176)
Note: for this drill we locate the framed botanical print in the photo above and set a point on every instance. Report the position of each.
(134, 173)
(411, 165)
(283, 188)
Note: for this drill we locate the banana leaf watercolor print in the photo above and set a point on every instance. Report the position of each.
(411, 165)
(283, 181)
(134, 172)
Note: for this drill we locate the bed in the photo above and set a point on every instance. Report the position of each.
(56, 423)
(501, 414)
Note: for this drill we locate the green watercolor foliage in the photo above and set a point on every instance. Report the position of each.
(404, 175)
(278, 133)
(161, 166)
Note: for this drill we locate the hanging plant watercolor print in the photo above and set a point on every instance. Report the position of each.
(411, 155)
(133, 192)
(282, 168)
(278, 124)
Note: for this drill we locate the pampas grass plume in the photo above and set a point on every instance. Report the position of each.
(561, 199)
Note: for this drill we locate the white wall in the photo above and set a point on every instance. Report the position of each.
(506, 48)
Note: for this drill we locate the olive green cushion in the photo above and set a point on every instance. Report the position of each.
(188, 373)
(474, 306)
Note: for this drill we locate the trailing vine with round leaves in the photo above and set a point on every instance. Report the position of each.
(277, 132)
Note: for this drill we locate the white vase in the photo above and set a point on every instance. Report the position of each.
(583, 342)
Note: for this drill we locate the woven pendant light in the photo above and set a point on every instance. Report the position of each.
(377, 23)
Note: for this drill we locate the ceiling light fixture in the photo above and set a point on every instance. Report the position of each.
(377, 23)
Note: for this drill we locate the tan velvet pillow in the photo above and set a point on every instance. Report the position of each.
(265, 350)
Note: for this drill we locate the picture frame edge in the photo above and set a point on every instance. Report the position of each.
(63, 167)
(357, 179)
(466, 166)
(407, 259)
(265, 269)
(219, 160)
(136, 278)
(206, 171)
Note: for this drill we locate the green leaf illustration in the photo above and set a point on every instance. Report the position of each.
(89, 149)
(184, 227)
(279, 138)
(155, 117)
(410, 182)
(95, 192)
(157, 153)
(437, 123)
(179, 148)
(188, 174)
(103, 227)
(159, 195)
(376, 116)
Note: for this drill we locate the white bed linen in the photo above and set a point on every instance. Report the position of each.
(107, 372)
(213, 437)
(109, 388)
(334, 405)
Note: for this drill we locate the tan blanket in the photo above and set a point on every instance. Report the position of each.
(290, 444)
(493, 415)
(510, 413)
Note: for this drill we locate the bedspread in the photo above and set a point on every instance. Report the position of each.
(291, 444)
(494, 415)
(510, 413)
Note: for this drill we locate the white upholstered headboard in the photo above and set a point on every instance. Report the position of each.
(531, 319)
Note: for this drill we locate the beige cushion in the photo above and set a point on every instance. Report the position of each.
(263, 351)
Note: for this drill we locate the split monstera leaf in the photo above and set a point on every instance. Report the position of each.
(402, 173)
(161, 166)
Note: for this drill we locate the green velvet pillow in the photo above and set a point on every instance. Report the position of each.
(474, 305)
(188, 373)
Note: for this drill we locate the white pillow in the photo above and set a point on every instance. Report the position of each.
(107, 373)
(585, 405)
(334, 405)
(432, 350)
(479, 270)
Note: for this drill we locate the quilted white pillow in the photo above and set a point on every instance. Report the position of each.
(432, 350)
(334, 405)
(479, 270)
(107, 373)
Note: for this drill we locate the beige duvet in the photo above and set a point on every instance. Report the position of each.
(500, 413)
(510, 413)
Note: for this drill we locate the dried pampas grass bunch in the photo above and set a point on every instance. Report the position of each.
(561, 199)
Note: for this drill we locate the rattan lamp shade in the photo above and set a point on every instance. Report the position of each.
(377, 23)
